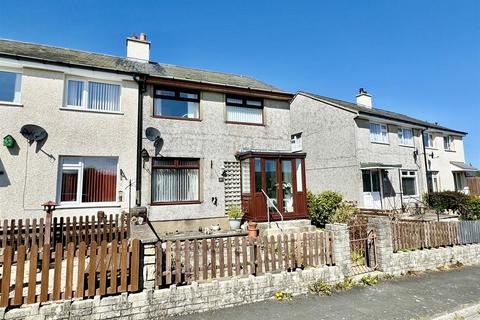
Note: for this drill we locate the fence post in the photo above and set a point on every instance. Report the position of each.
(383, 241)
(341, 246)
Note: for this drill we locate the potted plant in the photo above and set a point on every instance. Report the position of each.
(235, 215)
(252, 229)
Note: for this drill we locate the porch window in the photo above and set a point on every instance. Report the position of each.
(244, 110)
(92, 95)
(405, 137)
(175, 180)
(378, 133)
(287, 185)
(10, 83)
(299, 172)
(409, 183)
(176, 103)
(428, 140)
(245, 164)
(88, 180)
(432, 181)
(448, 143)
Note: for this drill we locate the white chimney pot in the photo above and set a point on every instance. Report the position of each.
(138, 49)
(364, 99)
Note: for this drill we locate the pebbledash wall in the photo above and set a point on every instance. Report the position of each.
(236, 291)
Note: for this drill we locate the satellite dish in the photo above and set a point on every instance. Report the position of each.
(153, 135)
(33, 133)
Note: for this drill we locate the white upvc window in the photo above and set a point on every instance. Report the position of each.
(409, 183)
(244, 110)
(405, 137)
(296, 142)
(428, 140)
(378, 132)
(448, 143)
(87, 180)
(92, 95)
(10, 87)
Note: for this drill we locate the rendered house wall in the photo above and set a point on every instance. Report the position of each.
(31, 175)
(213, 141)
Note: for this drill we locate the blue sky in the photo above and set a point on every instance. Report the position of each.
(416, 57)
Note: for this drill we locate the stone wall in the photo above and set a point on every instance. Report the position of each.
(151, 304)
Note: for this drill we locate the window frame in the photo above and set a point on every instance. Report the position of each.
(79, 167)
(450, 143)
(382, 125)
(176, 165)
(176, 97)
(410, 176)
(85, 93)
(244, 104)
(401, 141)
(296, 142)
(19, 81)
(431, 140)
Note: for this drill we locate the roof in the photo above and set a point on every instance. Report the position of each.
(70, 57)
(381, 113)
(463, 166)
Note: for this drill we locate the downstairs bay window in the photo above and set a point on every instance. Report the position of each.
(175, 181)
(88, 180)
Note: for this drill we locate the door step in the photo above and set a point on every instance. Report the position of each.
(289, 227)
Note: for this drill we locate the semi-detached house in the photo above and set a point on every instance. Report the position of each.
(182, 144)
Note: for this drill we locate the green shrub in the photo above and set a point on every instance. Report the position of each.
(447, 200)
(323, 207)
(344, 213)
(471, 210)
(234, 211)
(370, 280)
(346, 284)
(321, 288)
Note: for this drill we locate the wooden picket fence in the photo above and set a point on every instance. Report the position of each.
(182, 262)
(423, 235)
(469, 232)
(30, 232)
(50, 273)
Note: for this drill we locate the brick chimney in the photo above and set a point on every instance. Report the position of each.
(138, 48)
(364, 99)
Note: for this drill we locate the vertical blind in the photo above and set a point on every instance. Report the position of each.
(244, 114)
(99, 185)
(75, 93)
(103, 96)
(175, 185)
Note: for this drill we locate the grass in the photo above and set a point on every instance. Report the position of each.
(346, 284)
(370, 280)
(357, 257)
(320, 288)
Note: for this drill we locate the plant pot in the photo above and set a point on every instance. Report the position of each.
(234, 223)
(252, 229)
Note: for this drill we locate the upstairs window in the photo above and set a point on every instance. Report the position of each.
(378, 133)
(409, 183)
(405, 137)
(448, 143)
(92, 95)
(244, 110)
(10, 83)
(428, 140)
(176, 103)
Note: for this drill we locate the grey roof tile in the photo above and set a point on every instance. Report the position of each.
(382, 113)
(123, 65)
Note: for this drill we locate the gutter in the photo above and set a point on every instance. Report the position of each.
(141, 81)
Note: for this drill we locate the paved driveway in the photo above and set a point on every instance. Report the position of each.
(404, 298)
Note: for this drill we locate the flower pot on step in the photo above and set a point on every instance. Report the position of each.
(252, 229)
(235, 223)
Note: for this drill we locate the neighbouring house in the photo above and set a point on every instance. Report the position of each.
(211, 140)
(68, 128)
(375, 157)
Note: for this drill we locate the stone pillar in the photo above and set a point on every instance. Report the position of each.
(341, 246)
(383, 242)
(148, 265)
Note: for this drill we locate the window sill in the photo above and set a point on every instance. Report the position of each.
(449, 150)
(174, 203)
(246, 123)
(177, 118)
(89, 205)
(90, 110)
(380, 142)
(406, 145)
(431, 148)
(10, 104)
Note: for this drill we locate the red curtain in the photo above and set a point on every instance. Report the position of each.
(69, 186)
(99, 185)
